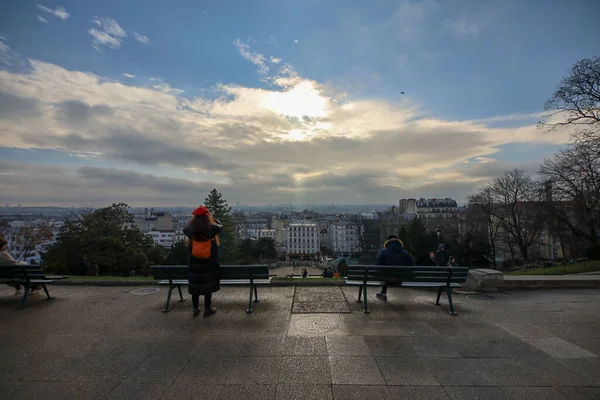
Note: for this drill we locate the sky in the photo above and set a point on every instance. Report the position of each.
(155, 103)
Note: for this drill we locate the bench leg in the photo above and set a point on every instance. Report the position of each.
(249, 310)
(256, 294)
(365, 305)
(437, 301)
(167, 309)
(26, 289)
(449, 290)
(359, 294)
(181, 299)
(46, 290)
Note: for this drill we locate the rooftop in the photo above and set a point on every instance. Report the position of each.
(303, 342)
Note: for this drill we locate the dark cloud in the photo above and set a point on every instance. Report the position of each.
(77, 113)
(12, 107)
(42, 184)
(495, 168)
(131, 146)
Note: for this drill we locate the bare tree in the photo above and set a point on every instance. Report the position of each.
(574, 176)
(356, 221)
(577, 97)
(483, 209)
(23, 241)
(519, 211)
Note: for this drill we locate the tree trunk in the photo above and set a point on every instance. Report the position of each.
(524, 252)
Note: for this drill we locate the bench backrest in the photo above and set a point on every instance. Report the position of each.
(407, 274)
(244, 272)
(231, 272)
(22, 273)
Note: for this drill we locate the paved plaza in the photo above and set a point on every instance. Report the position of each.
(107, 343)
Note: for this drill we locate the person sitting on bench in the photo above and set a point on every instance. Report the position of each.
(393, 253)
(7, 260)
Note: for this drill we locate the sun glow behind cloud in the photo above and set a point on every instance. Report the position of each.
(292, 135)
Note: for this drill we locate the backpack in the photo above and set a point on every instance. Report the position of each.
(202, 249)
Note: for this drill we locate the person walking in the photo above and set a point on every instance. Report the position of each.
(442, 257)
(203, 258)
(393, 253)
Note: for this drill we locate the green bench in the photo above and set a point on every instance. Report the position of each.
(444, 278)
(177, 275)
(27, 276)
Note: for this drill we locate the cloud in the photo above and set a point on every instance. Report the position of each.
(274, 60)
(296, 41)
(5, 52)
(109, 34)
(295, 140)
(257, 59)
(205, 12)
(58, 12)
(141, 38)
(42, 19)
(129, 75)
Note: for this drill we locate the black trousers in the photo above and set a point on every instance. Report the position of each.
(385, 287)
(207, 300)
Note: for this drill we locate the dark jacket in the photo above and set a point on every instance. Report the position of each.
(204, 275)
(442, 257)
(393, 253)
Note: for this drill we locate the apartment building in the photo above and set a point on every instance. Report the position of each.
(303, 239)
(344, 237)
(154, 221)
(429, 208)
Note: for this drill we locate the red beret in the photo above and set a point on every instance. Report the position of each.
(200, 211)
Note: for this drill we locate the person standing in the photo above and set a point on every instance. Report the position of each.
(393, 253)
(442, 257)
(203, 258)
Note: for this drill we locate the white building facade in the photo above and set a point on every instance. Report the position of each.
(344, 238)
(161, 238)
(257, 233)
(303, 239)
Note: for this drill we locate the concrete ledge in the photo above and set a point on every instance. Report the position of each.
(516, 282)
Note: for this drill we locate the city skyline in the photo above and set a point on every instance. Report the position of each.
(276, 103)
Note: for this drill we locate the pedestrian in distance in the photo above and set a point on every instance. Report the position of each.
(442, 257)
(393, 253)
(203, 258)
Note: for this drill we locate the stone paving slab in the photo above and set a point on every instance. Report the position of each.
(319, 300)
(105, 343)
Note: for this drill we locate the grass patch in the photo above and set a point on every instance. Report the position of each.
(109, 278)
(588, 266)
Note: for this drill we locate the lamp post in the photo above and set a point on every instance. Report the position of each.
(438, 232)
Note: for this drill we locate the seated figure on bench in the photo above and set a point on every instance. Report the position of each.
(7, 260)
(204, 274)
(393, 253)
